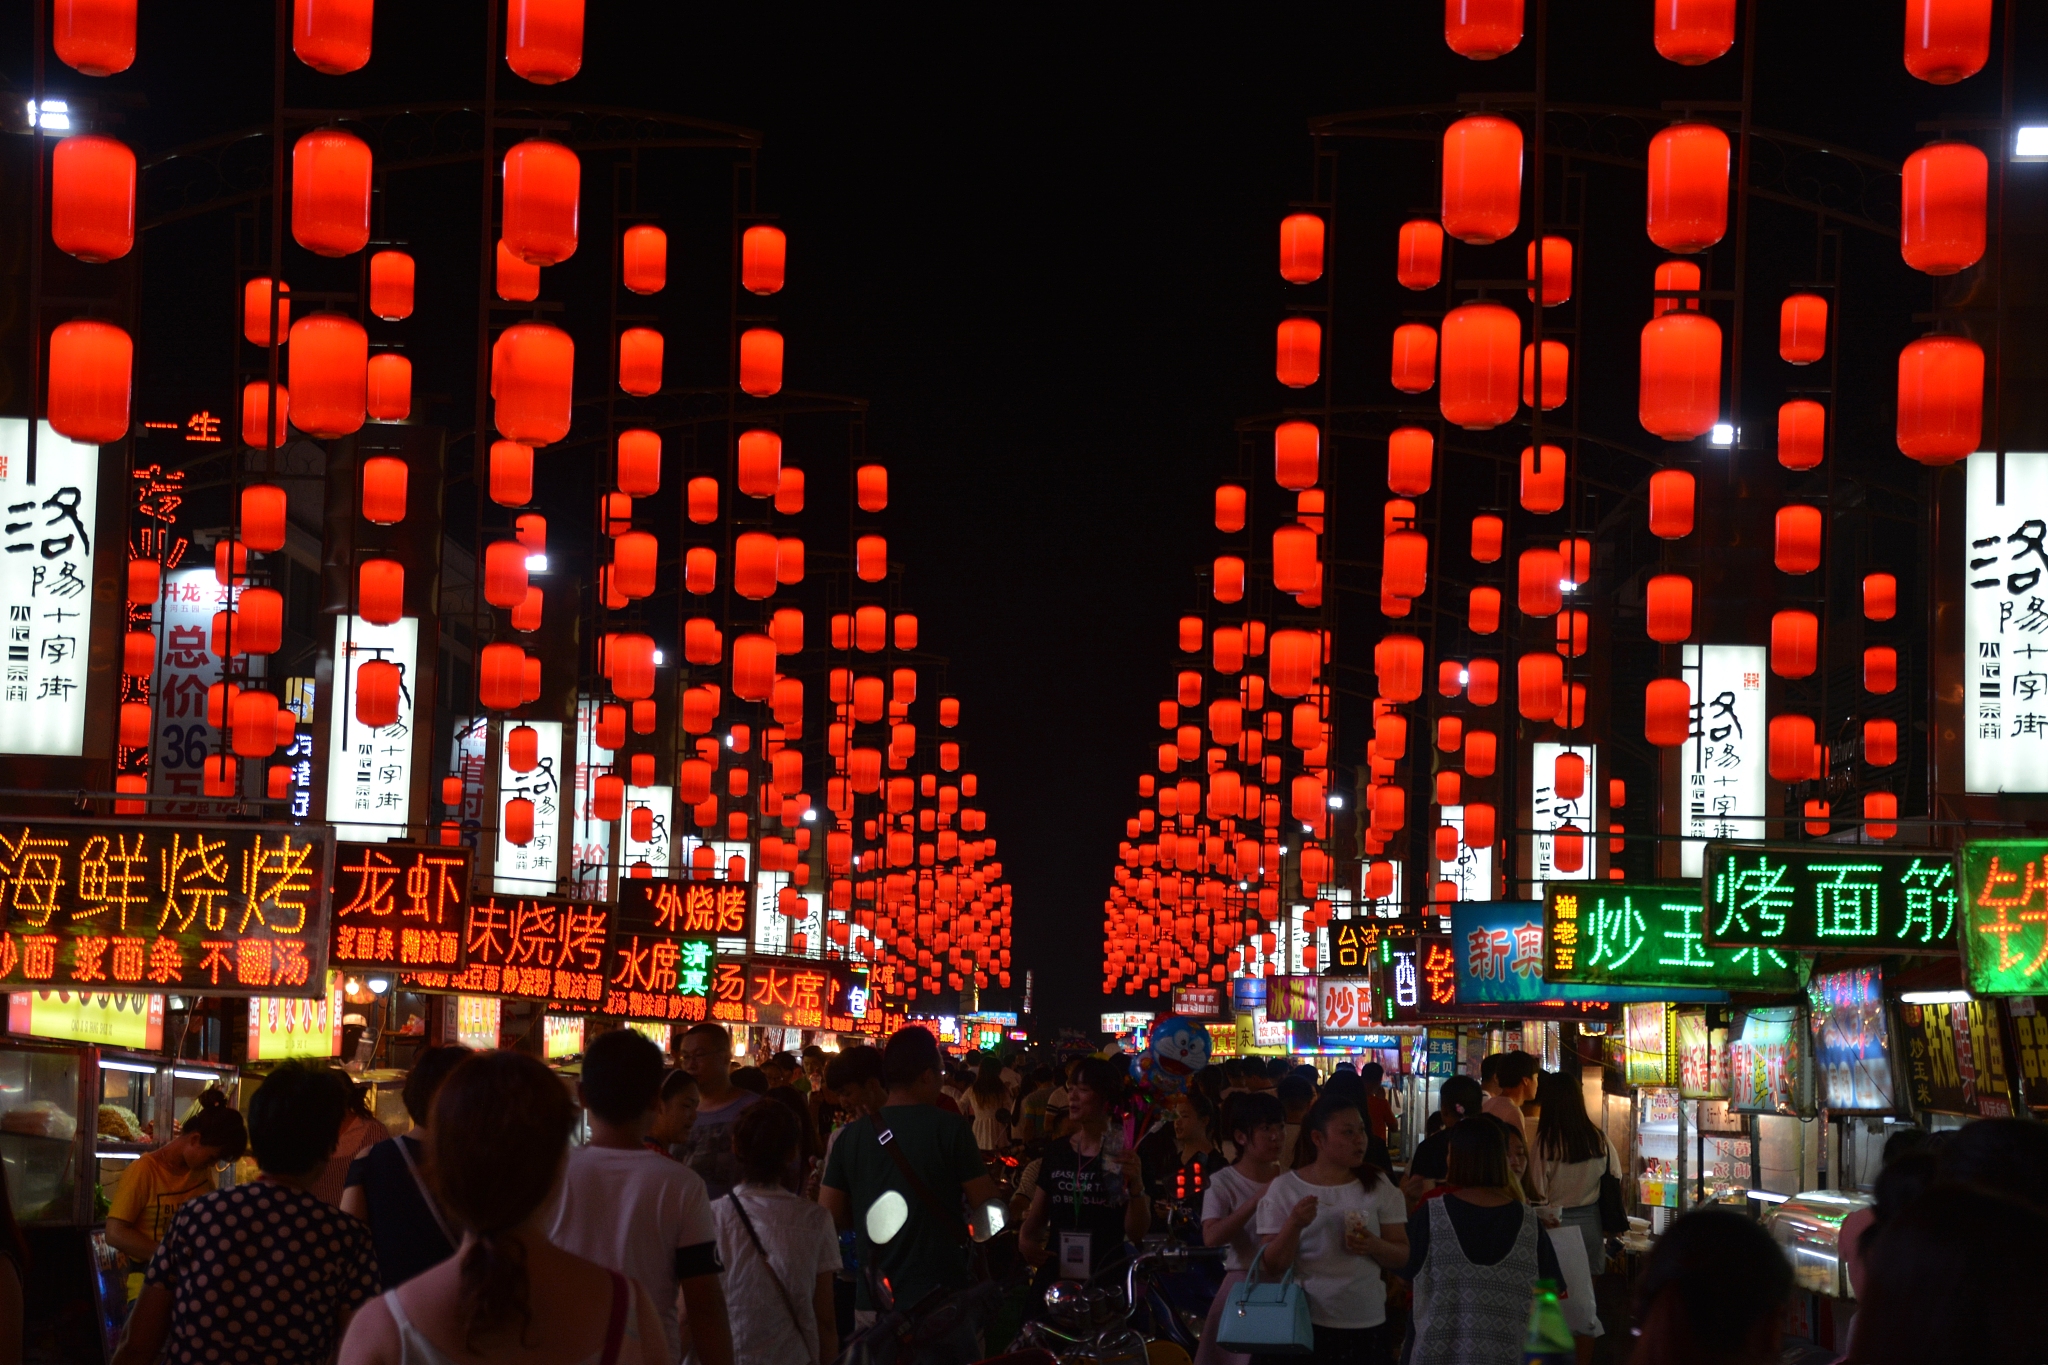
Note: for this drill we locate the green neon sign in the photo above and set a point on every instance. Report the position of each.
(1615, 934)
(2005, 916)
(1814, 898)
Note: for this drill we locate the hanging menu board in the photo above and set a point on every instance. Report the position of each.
(1955, 1059)
(1611, 933)
(530, 948)
(2005, 915)
(2030, 1034)
(1702, 1057)
(1830, 898)
(663, 954)
(178, 909)
(1852, 1042)
(1651, 1034)
(1768, 1071)
(400, 907)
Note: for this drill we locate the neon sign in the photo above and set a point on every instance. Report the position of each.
(1830, 898)
(1621, 935)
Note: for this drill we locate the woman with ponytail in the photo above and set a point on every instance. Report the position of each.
(496, 1149)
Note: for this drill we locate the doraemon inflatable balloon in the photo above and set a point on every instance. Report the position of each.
(1180, 1048)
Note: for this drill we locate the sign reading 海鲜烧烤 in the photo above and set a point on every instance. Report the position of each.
(1499, 952)
(2005, 915)
(1612, 933)
(663, 954)
(400, 907)
(179, 909)
(1830, 898)
(531, 948)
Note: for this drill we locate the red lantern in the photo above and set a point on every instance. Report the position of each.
(522, 749)
(1298, 352)
(639, 463)
(258, 621)
(544, 39)
(1680, 395)
(635, 555)
(1573, 633)
(1557, 271)
(332, 36)
(388, 397)
(501, 676)
(1538, 578)
(533, 372)
(1557, 359)
(92, 198)
(789, 491)
(1688, 205)
(1411, 455)
(1791, 749)
(1667, 712)
(1539, 679)
(518, 825)
(1295, 569)
(1487, 533)
(1947, 40)
(1942, 208)
(760, 463)
(145, 581)
(1483, 29)
(257, 301)
(703, 499)
(94, 37)
(1795, 637)
(632, 666)
(1941, 399)
(1482, 614)
(1421, 261)
(700, 569)
(511, 474)
(1880, 743)
(1301, 248)
(1479, 822)
(1667, 605)
(1297, 459)
(1414, 368)
(137, 725)
(1482, 352)
(905, 630)
(543, 188)
(1397, 664)
(220, 775)
(90, 368)
(753, 667)
(640, 361)
(505, 573)
(1542, 479)
(1227, 578)
(1568, 847)
(1482, 185)
(263, 517)
(1880, 669)
(255, 726)
(230, 563)
(1405, 564)
(1879, 810)
(644, 259)
(380, 591)
(1802, 433)
(1817, 813)
(1676, 277)
(1568, 776)
(761, 361)
(329, 375)
(1481, 753)
(871, 559)
(331, 192)
(1230, 506)
(1671, 504)
(871, 487)
(526, 616)
(1797, 546)
(138, 655)
(1694, 32)
(1803, 328)
(764, 255)
(516, 281)
(391, 285)
(753, 566)
(1880, 597)
(377, 693)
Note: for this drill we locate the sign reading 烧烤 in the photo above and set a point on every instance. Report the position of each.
(660, 967)
(1724, 767)
(530, 948)
(400, 907)
(1500, 955)
(178, 909)
(1830, 898)
(2005, 624)
(1612, 933)
(2005, 915)
(1955, 1059)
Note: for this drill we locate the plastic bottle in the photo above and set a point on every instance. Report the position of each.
(1549, 1340)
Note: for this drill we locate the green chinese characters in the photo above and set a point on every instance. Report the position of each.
(1823, 899)
(2005, 916)
(1616, 934)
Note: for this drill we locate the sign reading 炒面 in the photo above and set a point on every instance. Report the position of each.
(1830, 898)
(1612, 933)
(2005, 625)
(1725, 771)
(1499, 955)
(369, 771)
(661, 966)
(180, 909)
(1346, 1005)
(530, 869)
(529, 948)
(400, 907)
(2005, 915)
(1954, 1059)
(46, 555)
(1549, 812)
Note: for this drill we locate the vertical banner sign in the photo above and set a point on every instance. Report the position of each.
(1702, 1057)
(298, 699)
(774, 932)
(153, 535)
(1548, 811)
(472, 743)
(1651, 1039)
(369, 772)
(400, 907)
(530, 869)
(1725, 768)
(590, 853)
(1955, 1059)
(1471, 870)
(1767, 1062)
(2005, 625)
(2005, 922)
(1301, 942)
(657, 849)
(185, 667)
(46, 555)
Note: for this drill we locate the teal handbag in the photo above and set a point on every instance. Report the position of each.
(1269, 1318)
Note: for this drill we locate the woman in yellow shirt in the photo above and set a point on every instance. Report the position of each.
(158, 1182)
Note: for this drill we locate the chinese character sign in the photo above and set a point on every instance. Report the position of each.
(1768, 1062)
(46, 555)
(774, 932)
(1471, 868)
(1347, 1005)
(369, 772)
(2005, 625)
(1651, 1036)
(2005, 915)
(184, 909)
(400, 907)
(1724, 767)
(185, 667)
(530, 869)
(1500, 952)
(1549, 811)
(658, 848)
(1400, 993)
(663, 957)
(1617, 934)
(1702, 1057)
(530, 948)
(467, 761)
(1830, 898)
(1354, 945)
(793, 994)
(289, 1026)
(1852, 1051)
(1953, 1059)
(590, 854)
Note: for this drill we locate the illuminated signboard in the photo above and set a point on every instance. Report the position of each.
(561, 1036)
(282, 1026)
(1612, 933)
(1291, 997)
(1651, 1034)
(185, 667)
(1346, 1005)
(400, 907)
(590, 853)
(369, 771)
(1955, 1059)
(529, 948)
(1441, 1056)
(809, 995)
(1702, 1057)
(184, 909)
(2030, 1031)
(1198, 1001)
(46, 557)
(1354, 946)
(663, 956)
(2005, 625)
(1830, 898)
(135, 1022)
(2005, 915)
(1248, 993)
(1852, 1051)
(530, 869)
(656, 848)
(1400, 980)
(1498, 949)
(477, 1021)
(1439, 965)
(1471, 869)
(1724, 770)
(1550, 811)
(1768, 1055)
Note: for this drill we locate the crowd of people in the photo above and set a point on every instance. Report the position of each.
(720, 1213)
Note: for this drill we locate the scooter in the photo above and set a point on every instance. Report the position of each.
(1089, 1324)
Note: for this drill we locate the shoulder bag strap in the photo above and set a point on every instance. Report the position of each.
(427, 1195)
(781, 1289)
(952, 1220)
(615, 1325)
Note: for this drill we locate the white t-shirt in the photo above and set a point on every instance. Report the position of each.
(1229, 1191)
(632, 1211)
(1344, 1290)
(801, 1245)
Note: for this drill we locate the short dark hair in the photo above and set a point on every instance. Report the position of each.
(1960, 1263)
(855, 1066)
(1489, 1066)
(811, 1052)
(707, 1029)
(1101, 1075)
(2007, 1157)
(751, 1079)
(425, 1078)
(621, 1075)
(675, 1083)
(1294, 1090)
(1478, 1157)
(1373, 1074)
(1462, 1096)
(764, 1140)
(295, 1117)
(909, 1053)
(1516, 1067)
(1251, 1110)
(218, 1125)
(1712, 1280)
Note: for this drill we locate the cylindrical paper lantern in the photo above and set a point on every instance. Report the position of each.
(639, 463)
(256, 405)
(1880, 809)
(1880, 743)
(761, 361)
(1942, 208)
(1880, 669)
(640, 351)
(764, 259)
(1482, 178)
(1671, 504)
(1791, 748)
(1680, 394)
(1298, 352)
(1667, 608)
(1420, 264)
(1688, 201)
(515, 280)
(1803, 328)
(1667, 712)
(332, 36)
(543, 185)
(380, 591)
(1297, 458)
(331, 192)
(94, 37)
(263, 506)
(91, 364)
(1411, 454)
(1482, 352)
(1301, 248)
(1941, 399)
(257, 303)
(329, 375)
(1947, 40)
(1557, 361)
(1880, 596)
(388, 392)
(643, 263)
(1802, 433)
(1542, 480)
(1557, 271)
(533, 374)
(1539, 686)
(92, 197)
(1693, 32)
(1482, 614)
(1539, 573)
(1487, 532)
(1414, 368)
(1797, 545)
(511, 474)
(1795, 642)
(377, 693)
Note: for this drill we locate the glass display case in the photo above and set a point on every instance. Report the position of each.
(41, 1096)
(125, 1124)
(188, 1082)
(1660, 1149)
(1809, 1227)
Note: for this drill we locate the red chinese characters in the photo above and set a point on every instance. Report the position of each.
(401, 906)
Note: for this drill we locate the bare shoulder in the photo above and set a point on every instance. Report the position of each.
(372, 1336)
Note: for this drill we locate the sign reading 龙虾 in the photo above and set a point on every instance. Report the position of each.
(400, 907)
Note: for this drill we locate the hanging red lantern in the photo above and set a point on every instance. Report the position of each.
(1420, 264)
(1297, 460)
(1694, 32)
(329, 375)
(1671, 504)
(639, 463)
(505, 573)
(255, 726)
(1795, 641)
(230, 563)
(1941, 399)
(91, 364)
(1802, 433)
(1230, 504)
(1880, 669)
(871, 487)
(1880, 596)
(640, 351)
(1803, 328)
(257, 301)
(1667, 605)
(636, 554)
(516, 281)
(1483, 29)
(1482, 179)
(1482, 751)
(1397, 665)
(1557, 359)
(1298, 352)
(1573, 633)
(761, 361)
(526, 616)
(1568, 776)
(263, 507)
(760, 463)
(1688, 202)
(220, 775)
(703, 500)
(753, 667)
(1539, 684)
(1482, 352)
(1791, 749)
(94, 37)
(1414, 367)
(1295, 569)
(518, 822)
(1676, 277)
(643, 264)
(1568, 847)
(1411, 455)
(511, 474)
(753, 566)
(1880, 809)
(1539, 575)
(380, 591)
(258, 621)
(544, 39)
(1482, 613)
(377, 693)
(533, 372)
(764, 256)
(1487, 534)
(388, 390)
(632, 667)
(522, 749)
(543, 190)
(1667, 712)
(789, 491)
(1542, 479)
(1405, 564)
(92, 198)
(1942, 208)
(871, 559)
(1797, 545)
(1557, 271)
(1227, 578)
(145, 581)
(702, 644)
(501, 676)
(1880, 743)
(332, 36)
(1680, 396)
(391, 285)
(1479, 823)
(1947, 40)
(1301, 248)
(331, 192)
(138, 655)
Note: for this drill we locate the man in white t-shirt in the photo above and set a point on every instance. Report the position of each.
(637, 1211)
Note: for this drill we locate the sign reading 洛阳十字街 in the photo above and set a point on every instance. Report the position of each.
(1550, 811)
(285, 1026)
(658, 848)
(2005, 915)
(400, 907)
(1819, 898)
(1724, 757)
(1499, 954)
(2005, 624)
(1613, 933)
(369, 772)
(1953, 1059)
(187, 909)
(46, 555)
(135, 1022)
(530, 869)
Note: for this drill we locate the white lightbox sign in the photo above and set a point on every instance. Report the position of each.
(1472, 869)
(2005, 625)
(1727, 768)
(657, 849)
(369, 772)
(531, 869)
(590, 857)
(467, 761)
(185, 667)
(1549, 811)
(774, 932)
(46, 555)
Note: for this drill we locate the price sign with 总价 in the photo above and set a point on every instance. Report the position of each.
(1830, 898)
(1612, 933)
(2005, 915)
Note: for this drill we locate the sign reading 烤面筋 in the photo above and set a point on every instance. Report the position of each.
(1830, 898)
